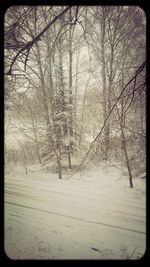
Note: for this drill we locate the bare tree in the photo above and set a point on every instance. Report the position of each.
(140, 69)
(43, 57)
(28, 45)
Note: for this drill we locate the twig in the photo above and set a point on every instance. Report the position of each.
(106, 119)
(37, 38)
(132, 253)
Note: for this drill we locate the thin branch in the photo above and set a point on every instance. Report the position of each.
(131, 130)
(132, 253)
(37, 38)
(106, 119)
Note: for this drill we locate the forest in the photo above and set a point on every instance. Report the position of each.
(75, 86)
(75, 132)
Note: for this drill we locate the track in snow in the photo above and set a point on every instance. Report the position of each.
(64, 215)
(79, 218)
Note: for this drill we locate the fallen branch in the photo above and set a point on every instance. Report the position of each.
(130, 256)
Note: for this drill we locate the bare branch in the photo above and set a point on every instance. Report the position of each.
(104, 124)
(36, 39)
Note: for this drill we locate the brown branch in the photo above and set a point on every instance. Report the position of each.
(29, 45)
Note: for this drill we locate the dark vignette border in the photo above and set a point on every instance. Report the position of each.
(3, 257)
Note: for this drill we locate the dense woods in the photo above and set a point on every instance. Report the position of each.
(75, 85)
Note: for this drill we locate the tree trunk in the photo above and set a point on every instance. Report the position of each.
(75, 96)
(127, 158)
(105, 110)
(82, 115)
(69, 157)
(58, 153)
(123, 141)
(44, 95)
(38, 154)
(55, 144)
(109, 94)
(59, 168)
(70, 126)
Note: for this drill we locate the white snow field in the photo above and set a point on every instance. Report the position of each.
(91, 215)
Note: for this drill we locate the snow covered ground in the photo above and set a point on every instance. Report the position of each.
(91, 215)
